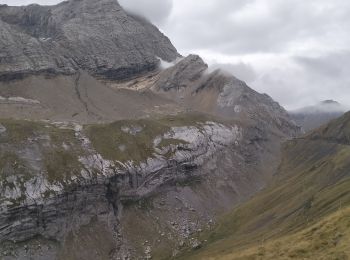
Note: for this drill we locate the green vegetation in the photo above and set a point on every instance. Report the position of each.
(142, 203)
(171, 141)
(18, 131)
(61, 158)
(136, 137)
(9, 160)
(189, 182)
(12, 165)
(337, 131)
(59, 149)
(312, 183)
(327, 239)
(61, 165)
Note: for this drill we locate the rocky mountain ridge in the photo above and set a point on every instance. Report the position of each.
(96, 36)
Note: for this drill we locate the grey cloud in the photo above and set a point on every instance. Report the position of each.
(332, 65)
(237, 27)
(240, 70)
(310, 81)
(287, 28)
(157, 11)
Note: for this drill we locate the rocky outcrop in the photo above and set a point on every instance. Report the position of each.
(59, 178)
(96, 36)
(182, 74)
(53, 205)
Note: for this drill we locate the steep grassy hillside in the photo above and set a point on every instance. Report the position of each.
(328, 239)
(312, 183)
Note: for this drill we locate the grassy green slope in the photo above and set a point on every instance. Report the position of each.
(325, 240)
(139, 146)
(58, 149)
(312, 183)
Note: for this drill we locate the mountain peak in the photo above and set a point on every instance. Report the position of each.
(96, 36)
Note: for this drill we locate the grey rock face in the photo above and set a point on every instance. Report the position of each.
(239, 101)
(54, 208)
(2, 129)
(182, 74)
(97, 36)
(192, 85)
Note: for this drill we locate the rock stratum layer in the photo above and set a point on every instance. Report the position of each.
(58, 178)
(46, 163)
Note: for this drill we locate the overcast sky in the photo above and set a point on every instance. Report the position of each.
(297, 51)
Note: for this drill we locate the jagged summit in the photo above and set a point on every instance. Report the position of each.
(97, 36)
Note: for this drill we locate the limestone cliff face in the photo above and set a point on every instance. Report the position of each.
(54, 179)
(97, 36)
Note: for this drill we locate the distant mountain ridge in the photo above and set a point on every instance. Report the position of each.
(312, 117)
